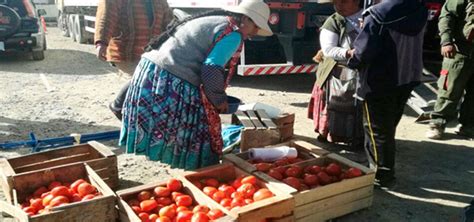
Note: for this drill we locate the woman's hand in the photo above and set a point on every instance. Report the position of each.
(223, 107)
(448, 51)
(100, 50)
(350, 53)
(319, 57)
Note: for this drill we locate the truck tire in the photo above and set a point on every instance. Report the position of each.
(70, 27)
(8, 29)
(79, 29)
(62, 24)
(38, 55)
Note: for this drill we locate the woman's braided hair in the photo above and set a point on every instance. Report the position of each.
(156, 42)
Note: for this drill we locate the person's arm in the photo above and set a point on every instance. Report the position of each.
(447, 24)
(330, 45)
(367, 44)
(213, 69)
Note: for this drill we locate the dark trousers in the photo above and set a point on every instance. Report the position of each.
(381, 117)
(117, 104)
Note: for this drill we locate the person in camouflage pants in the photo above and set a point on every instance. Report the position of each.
(456, 79)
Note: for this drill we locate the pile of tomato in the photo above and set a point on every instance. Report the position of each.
(169, 203)
(265, 165)
(58, 194)
(309, 177)
(234, 194)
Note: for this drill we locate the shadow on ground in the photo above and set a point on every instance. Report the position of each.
(57, 61)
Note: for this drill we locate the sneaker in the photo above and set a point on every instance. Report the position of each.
(389, 183)
(435, 132)
(466, 131)
(115, 111)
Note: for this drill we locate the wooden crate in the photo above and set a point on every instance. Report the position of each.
(96, 155)
(126, 214)
(98, 209)
(332, 200)
(277, 206)
(306, 151)
(259, 130)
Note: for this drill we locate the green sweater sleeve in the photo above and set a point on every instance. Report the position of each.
(452, 13)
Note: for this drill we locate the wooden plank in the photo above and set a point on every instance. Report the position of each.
(266, 119)
(246, 166)
(347, 162)
(333, 202)
(101, 148)
(244, 120)
(6, 168)
(338, 211)
(75, 158)
(303, 145)
(13, 211)
(290, 218)
(47, 155)
(255, 120)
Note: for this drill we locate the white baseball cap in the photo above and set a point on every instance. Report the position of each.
(256, 10)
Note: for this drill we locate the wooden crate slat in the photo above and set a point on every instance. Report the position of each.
(266, 119)
(255, 120)
(337, 211)
(303, 145)
(334, 202)
(101, 148)
(244, 120)
(53, 162)
(47, 155)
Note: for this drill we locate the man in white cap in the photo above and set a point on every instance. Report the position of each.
(172, 108)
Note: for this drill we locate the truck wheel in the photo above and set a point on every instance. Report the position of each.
(79, 29)
(13, 21)
(38, 55)
(70, 27)
(62, 24)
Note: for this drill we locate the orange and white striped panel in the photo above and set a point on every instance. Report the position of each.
(250, 70)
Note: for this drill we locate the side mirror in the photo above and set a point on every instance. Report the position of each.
(41, 12)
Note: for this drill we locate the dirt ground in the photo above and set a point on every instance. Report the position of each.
(69, 92)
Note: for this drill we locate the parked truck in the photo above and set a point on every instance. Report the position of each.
(76, 19)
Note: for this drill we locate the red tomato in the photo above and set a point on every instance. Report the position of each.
(209, 191)
(88, 197)
(293, 182)
(228, 190)
(30, 210)
(237, 182)
(323, 178)
(200, 217)
(40, 191)
(148, 205)
(163, 219)
(37, 203)
(294, 160)
(281, 162)
(136, 209)
(201, 208)
(353, 172)
(310, 179)
(263, 167)
(275, 174)
(248, 201)
(162, 192)
(211, 182)
(134, 202)
(237, 202)
(293, 171)
(249, 179)
(333, 169)
(54, 184)
(184, 216)
(225, 202)
(261, 194)
(175, 194)
(60, 191)
(247, 189)
(184, 200)
(56, 201)
(167, 211)
(164, 201)
(303, 187)
(144, 216)
(75, 198)
(85, 188)
(218, 196)
(182, 208)
(280, 169)
(144, 195)
(198, 184)
(174, 185)
(76, 184)
(47, 199)
(237, 195)
(215, 214)
(153, 217)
